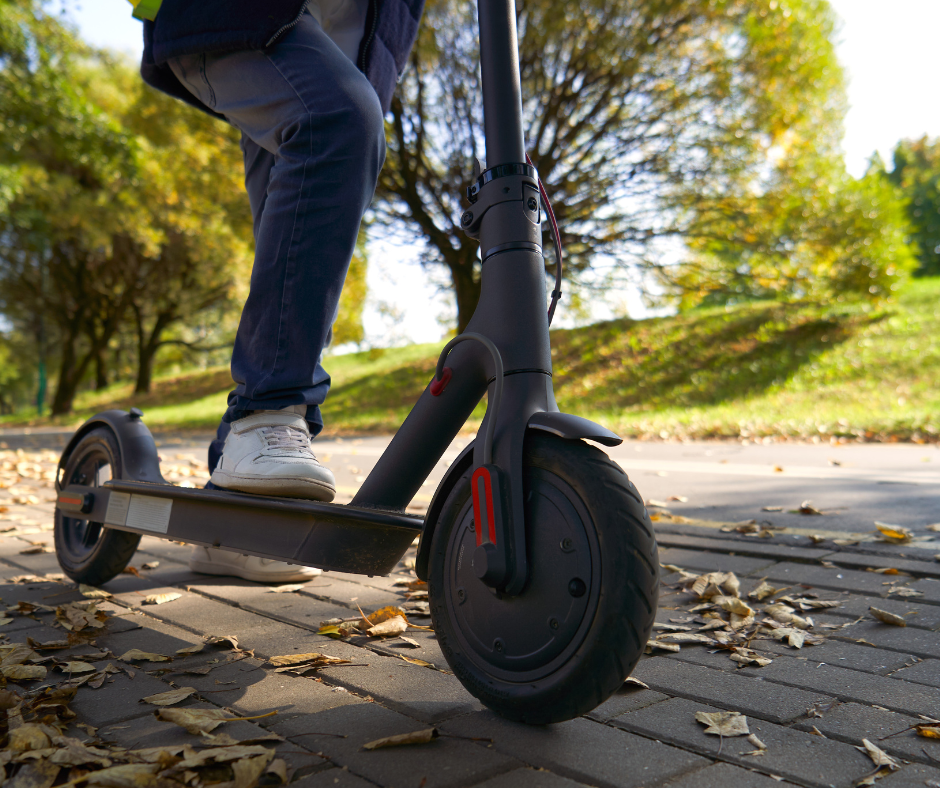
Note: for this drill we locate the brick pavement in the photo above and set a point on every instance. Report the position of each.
(866, 680)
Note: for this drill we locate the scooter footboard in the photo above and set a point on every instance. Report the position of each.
(310, 533)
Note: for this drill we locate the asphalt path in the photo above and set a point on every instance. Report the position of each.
(854, 485)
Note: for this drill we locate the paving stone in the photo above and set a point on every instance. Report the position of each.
(926, 672)
(302, 610)
(724, 775)
(445, 762)
(152, 635)
(854, 606)
(856, 561)
(907, 640)
(163, 549)
(332, 778)
(145, 730)
(750, 547)
(749, 695)
(792, 754)
(582, 750)
(625, 700)
(929, 587)
(713, 562)
(912, 776)
(851, 685)
(701, 655)
(852, 722)
(814, 576)
(529, 778)
(117, 699)
(331, 588)
(843, 655)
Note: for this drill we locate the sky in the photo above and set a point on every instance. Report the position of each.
(887, 50)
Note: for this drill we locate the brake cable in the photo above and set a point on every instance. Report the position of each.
(556, 239)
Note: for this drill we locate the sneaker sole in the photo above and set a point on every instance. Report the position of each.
(209, 568)
(308, 489)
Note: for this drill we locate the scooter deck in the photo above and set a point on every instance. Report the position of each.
(311, 533)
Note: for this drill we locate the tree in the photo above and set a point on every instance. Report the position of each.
(636, 111)
(917, 173)
(348, 325)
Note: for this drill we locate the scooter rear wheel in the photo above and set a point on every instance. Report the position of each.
(580, 625)
(88, 552)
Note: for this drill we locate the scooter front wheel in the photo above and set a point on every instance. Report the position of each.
(88, 552)
(580, 625)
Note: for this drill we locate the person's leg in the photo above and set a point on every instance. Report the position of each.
(313, 143)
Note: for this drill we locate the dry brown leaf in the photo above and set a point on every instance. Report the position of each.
(75, 667)
(746, 656)
(136, 655)
(221, 640)
(190, 650)
(756, 742)
(733, 604)
(878, 756)
(308, 661)
(195, 721)
(23, 672)
(763, 591)
(658, 644)
(887, 618)
(630, 681)
(384, 614)
(28, 737)
(928, 731)
(410, 641)
(686, 637)
(895, 534)
(415, 737)
(388, 627)
(150, 565)
(286, 589)
(161, 599)
(806, 508)
(723, 723)
(170, 697)
(40, 774)
(888, 570)
(93, 593)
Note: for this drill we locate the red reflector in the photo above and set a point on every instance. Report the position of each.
(73, 501)
(438, 386)
(481, 486)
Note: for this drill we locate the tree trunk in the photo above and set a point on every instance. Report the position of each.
(147, 347)
(145, 369)
(70, 375)
(101, 370)
(466, 288)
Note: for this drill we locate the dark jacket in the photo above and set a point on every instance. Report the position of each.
(186, 27)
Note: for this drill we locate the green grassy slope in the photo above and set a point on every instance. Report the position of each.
(751, 370)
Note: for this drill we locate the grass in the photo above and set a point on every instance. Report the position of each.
(753, 370)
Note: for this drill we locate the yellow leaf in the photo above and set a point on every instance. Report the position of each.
(415, 737)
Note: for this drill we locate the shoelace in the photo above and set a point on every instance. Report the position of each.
(283, 437)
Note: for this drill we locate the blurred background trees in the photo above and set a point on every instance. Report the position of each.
(692, 146)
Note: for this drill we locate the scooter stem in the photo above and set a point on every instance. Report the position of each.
(502, 92)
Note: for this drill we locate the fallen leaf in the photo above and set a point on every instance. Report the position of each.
(135, 654)
(732, 604)
(679, 498)
(887, 618)
(410, 641)
(414, 661)
(887, 570)
(41, 774)
(75, 667)
(221, 640)
(895, 534)
(746, 656)
(928, 731)
(806, 508)
(190, 650)
(817, 538)
(390, 626)
(756, 742)
(161, 599)
(778, 469)
(686, 637)
(150, 565)
(28, 737)
(771, 508)
(723, 723)
(630, 681)
(93, 593)
(935, 527)
(23, 672)
(384, 614)
(197, 721)
(415, 737)
(286, 589)
(170, 697)
(658, 644)
(305, 661)
(763, 591)
(878, 756)
(37, 550)
(904, 591)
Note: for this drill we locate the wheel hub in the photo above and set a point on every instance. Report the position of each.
(522, 637)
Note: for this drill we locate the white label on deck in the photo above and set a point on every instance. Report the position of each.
(117, 508)
(149, 513)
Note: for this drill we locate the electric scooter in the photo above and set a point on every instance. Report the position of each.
(539, 555)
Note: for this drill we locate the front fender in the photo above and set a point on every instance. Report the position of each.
(565, 425)
(139, 458)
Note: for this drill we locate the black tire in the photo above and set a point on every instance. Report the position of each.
(568, 641)
(87, 551)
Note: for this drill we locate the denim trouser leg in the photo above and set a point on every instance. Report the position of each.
(313, 140)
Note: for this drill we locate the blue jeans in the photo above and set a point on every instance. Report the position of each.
(314, 143)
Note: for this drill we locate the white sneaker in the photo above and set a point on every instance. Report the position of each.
(268, 453)
(211, 561)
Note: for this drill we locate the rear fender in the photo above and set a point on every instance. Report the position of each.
(139, 458)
